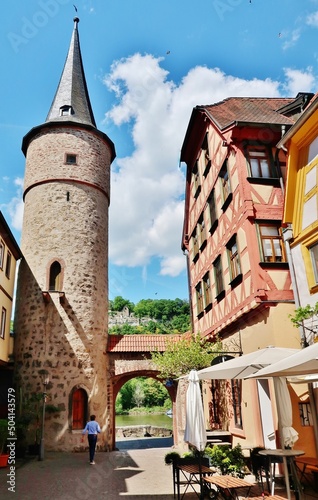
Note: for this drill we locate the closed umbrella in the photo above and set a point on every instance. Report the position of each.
(285, 415)
(195, 432)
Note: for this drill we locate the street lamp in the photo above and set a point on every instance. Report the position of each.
(45, 381)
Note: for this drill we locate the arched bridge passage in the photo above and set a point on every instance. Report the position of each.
(129, 356)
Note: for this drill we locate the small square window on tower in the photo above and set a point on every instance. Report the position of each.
(66, 110)
(70, 159)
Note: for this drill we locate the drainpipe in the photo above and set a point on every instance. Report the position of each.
(186, 253)
(288, 235)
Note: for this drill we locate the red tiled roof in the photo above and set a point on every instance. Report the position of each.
(139, 343)
(249, 110)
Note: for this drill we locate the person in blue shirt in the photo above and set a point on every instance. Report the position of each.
(92, 428)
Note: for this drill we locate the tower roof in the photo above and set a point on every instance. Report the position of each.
(71, 101)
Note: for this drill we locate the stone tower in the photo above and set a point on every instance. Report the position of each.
(61, 309)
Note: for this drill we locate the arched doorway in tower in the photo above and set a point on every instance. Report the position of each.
(143, 414)
(79, 409)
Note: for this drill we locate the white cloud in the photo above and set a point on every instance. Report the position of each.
(146, 211)
(292, 39)
(15, 206)
(299, 81)
(312, 19)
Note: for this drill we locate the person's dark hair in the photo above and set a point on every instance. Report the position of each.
(93, 417)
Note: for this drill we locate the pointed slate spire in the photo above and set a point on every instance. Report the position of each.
(71, 101)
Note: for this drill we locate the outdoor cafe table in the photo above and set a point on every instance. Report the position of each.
(228, 486)
(189, 475)
(288, 458)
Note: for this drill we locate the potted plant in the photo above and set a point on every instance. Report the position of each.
(227, 460)
(3, 443)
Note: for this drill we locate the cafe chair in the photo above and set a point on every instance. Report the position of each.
(184, 480)
(260, 468)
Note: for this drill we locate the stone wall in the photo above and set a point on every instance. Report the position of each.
(138, 431)
(125, 317)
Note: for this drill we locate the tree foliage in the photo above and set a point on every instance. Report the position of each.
(167, 316)
(185, 354)
(119, 303)
(162, 309)
(306, 313)
(141, 391)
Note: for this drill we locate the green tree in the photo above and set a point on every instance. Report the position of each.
(119, 303)
(139, 394)
(127, 394)
(302, 314)
(185, 354)
(162, 309)
(155, 393)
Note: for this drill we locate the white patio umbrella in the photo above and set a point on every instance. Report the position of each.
(303, 362)
(250, 365)
(304, 366)
(195, 432)
(247, 364)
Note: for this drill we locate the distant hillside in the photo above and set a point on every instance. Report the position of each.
(148, 316)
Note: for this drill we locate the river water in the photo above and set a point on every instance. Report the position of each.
(154, 420)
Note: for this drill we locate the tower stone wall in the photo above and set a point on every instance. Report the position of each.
(64, 331)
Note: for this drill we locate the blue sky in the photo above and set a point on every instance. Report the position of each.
(147, 64)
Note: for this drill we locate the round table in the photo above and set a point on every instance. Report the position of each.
(288, 456)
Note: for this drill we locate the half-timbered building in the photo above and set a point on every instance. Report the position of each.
(239, 279)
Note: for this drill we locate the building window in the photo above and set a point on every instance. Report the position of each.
(79, 409)
(236, 402)
(215, 419)
(259, 162)
(3, 323)
(313, 250)
(206, 155)
(196, 185)
(195, 245)
(2, 247)
(310, 209)
(225, 183)
(55, 277)
(199, 296)
(305, 414)
(207, 290)
(201, 232)
(66, 110)
(218, 276)
(8, 265)
(212, 216)
(272, 245)
(234, 258)
(70, 159)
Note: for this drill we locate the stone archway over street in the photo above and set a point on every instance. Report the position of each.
(129, 356)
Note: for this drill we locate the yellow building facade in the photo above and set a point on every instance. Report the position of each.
(9, 255)
(301, 237)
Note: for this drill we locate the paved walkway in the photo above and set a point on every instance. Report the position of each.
(135, 472)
